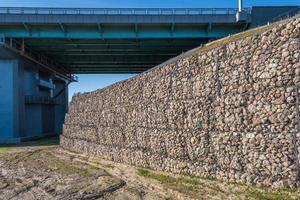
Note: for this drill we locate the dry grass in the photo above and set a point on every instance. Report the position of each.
(233, 38)
(239, 36)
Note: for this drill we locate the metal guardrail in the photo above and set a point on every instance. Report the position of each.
(46, 62)
(120, 11)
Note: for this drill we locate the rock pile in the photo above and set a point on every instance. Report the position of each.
(231, 112)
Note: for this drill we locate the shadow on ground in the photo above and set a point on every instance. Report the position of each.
(47, 141)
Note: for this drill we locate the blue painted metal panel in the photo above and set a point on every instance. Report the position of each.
(30, 82)
(33, 120)
(9, 123)
(20, 119)
(48, 119)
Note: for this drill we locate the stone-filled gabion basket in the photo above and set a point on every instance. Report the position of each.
(228, 110)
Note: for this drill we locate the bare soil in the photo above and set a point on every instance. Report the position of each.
(42, 170)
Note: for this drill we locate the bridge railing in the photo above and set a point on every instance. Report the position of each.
(120, 11)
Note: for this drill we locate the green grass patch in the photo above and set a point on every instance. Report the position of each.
(264, 195)
(207, 188)
(48, 141)
(187, 185)
(66, 168)
(268, 193)
(4, 149)
(40, 143)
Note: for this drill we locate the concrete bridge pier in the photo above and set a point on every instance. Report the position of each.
(33, 101)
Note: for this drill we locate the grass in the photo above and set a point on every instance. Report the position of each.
(47, 141)
(67, 168)
(43, 158)
(108, 166)
(267, 193)
(203, 188)
(238, 36)
(44, 142)
(45, 145)
(186, 185)
(4, 149)
(255, 194)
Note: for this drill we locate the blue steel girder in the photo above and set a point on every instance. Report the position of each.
(117, 23)
(113, 47)
(62, 28)
(117, 31)
(98, 54)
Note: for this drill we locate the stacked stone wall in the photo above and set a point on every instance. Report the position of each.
(231, 112)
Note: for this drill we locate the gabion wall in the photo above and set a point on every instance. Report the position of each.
(231, 112)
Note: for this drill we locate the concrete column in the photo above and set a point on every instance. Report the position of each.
(11, 101)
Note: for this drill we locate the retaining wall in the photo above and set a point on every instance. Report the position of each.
(229, 110)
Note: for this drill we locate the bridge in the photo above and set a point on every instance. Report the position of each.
(117, 40)
(42, 48)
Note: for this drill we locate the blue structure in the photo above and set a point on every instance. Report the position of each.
(40, 49)
(33, 99)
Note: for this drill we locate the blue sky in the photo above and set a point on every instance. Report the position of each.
(92, 82)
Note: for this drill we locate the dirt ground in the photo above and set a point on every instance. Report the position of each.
(41, 170)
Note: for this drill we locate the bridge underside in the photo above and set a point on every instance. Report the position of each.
(118, 48)
(117, 42)
(124, 40)
(112, 55)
